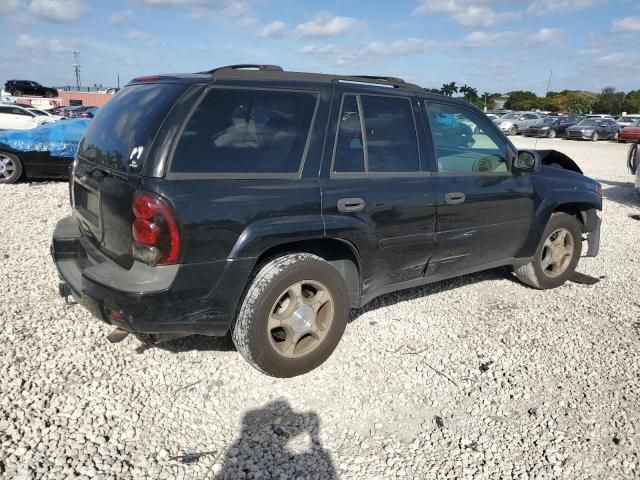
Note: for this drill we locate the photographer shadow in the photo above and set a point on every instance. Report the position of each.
(276, 442)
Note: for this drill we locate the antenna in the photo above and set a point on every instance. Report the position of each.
(535, 146)
(76, 67)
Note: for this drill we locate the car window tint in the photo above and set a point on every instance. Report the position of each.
(391, 139)
(349, 149)
(246, 131)
(465, 142)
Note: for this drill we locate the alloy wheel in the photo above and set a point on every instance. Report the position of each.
(7, 167)
(300, 318)
(557, 252)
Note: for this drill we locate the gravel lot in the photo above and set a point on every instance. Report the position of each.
(475, 377)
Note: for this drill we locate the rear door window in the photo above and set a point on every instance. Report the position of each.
(246, 131)
(121, 135)
(377, 134)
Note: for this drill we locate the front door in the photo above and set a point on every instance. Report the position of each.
(375, 194)
(484, 210)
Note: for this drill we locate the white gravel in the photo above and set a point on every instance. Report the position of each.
(475, 377)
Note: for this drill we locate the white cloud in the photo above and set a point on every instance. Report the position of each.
(205, 9)
(143, 37)
(272, 30)
(325, 24)
(122, 18)
(544, 7)
(544, 36)
(52, 45)
(617, 62)
(627, 24)
(470, 13)
(489, 39)
(58, 10)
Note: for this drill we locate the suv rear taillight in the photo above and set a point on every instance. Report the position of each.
(155, 230)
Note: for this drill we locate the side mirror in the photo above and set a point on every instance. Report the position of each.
(526, 161)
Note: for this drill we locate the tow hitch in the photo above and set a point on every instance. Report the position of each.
(65, 292)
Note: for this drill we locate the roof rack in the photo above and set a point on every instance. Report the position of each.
(247, 66)
(382, 81)
(376, 77)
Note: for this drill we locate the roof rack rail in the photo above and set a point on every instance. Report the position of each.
(247, 66)
(376, 77)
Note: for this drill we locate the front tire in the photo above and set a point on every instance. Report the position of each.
(17, 93)
(10, 168)
(513, 131)
(595, 137)
(552, 133)
(557, 256)
(292, 316)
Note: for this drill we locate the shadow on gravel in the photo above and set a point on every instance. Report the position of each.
(503, 273)
(620, 192)
(200, 343)
(277, 442)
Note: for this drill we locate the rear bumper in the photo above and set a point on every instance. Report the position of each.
(197, 298)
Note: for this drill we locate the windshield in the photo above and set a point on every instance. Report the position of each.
(588, 123)
(510, 116)
(628, 119)
(127, 125)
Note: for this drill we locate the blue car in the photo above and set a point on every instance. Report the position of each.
(42, 152)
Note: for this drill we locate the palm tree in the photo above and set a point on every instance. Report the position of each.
(449, 89)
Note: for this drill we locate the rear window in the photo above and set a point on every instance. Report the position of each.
(120, 136)
(246, 131)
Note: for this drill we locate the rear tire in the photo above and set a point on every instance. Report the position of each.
(275, 330)
(10, 168)
(17, 93)
(554, 251)
(51, 95)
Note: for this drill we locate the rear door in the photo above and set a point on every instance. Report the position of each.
(484, 210)
(110, 159)
(375, 192)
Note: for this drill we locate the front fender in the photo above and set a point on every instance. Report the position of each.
(584, 201)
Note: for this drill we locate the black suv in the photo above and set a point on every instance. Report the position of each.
(268, 203)
(18, 88)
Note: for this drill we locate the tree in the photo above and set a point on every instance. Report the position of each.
(522, 100)
(609, 101)
(632, 102)
(449, 89)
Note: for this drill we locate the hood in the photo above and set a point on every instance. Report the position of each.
(579, 128)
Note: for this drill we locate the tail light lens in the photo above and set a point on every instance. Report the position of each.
(155, 230)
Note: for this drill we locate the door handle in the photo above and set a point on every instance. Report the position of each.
(454, 198)
(350, 205)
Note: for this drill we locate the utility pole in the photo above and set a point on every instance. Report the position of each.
(76, 67)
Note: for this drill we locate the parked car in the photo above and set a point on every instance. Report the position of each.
(18, 88)
(18, 117)
(633, 163)
(550, 127)
(518, 122)
(627, 120)
(42, 152)
(90, 113)
(44, 113)
(267, 203)
(594, 129)
(75, 112)
(600, 115)
(630, 133)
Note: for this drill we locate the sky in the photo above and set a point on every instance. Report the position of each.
(492, 45)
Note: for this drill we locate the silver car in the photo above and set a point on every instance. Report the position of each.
(518, 122)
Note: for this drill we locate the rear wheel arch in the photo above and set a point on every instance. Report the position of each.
(340, 254)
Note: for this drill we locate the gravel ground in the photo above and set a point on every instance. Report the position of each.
(475, 377)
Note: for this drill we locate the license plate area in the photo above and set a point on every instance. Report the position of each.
(86, 201)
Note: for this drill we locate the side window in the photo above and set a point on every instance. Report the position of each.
(349, 149)
(246, 131)
(465, 142)
(391, 139)
(19, 111)
(389, 143)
